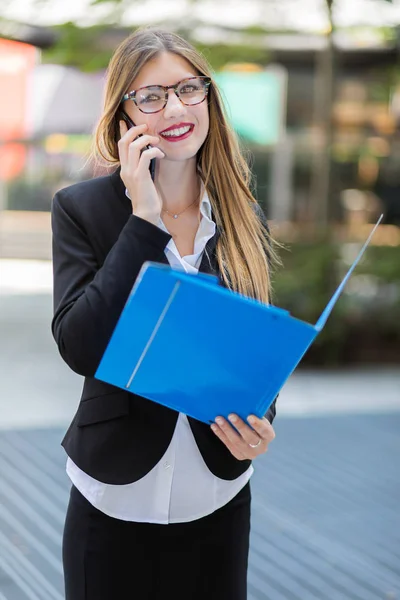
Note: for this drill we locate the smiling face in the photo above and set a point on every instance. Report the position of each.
(182, 129)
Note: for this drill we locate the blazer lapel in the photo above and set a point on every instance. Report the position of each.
(208, 262)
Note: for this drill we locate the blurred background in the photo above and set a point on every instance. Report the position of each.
(322, 137)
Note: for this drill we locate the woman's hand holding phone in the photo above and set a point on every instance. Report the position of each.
(135, 161)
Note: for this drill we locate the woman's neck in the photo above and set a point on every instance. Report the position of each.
(178, 184)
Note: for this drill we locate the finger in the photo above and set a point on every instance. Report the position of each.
(263, 427)
(248, 434)
(140, 142)
(130, 133)
(127, 136)
(146, 157)
(225, 440)
(231, 433)
(122, 148)
(138, 146)
(123, 127)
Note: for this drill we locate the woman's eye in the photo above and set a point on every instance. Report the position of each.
(187, 89)
(151, 98)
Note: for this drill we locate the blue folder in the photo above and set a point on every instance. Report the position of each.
(188, 343)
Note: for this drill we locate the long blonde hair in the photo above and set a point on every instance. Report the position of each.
(245, 249)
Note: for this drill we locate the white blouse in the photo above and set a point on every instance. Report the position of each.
(180, 487)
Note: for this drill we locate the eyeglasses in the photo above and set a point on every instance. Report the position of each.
(153, 98)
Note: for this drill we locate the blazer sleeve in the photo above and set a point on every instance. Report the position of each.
(271, 412)
(88, 297)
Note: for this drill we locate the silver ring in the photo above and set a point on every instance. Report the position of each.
(255, 445)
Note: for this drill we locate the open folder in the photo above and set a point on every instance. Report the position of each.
(192, 345)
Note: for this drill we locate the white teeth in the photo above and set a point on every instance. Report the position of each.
(176, 132)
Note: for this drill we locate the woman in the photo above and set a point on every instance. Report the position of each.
(160, 503)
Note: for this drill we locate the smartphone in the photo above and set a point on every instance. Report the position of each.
(124, 117)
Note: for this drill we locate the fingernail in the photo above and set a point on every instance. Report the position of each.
(214, 428)
(219, 420)
(252, 420)
(233, 418)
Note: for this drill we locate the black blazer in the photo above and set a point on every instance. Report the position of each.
(99, 248)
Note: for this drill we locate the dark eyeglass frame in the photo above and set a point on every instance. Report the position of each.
(132, 95)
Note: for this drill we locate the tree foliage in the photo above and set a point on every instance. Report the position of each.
(79, 47)
(90, 48)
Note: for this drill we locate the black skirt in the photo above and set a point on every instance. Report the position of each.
(110, 559)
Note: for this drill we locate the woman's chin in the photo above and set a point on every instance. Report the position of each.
(179, 156)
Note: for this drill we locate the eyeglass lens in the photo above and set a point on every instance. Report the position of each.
(152, 98)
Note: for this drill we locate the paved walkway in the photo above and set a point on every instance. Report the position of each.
(325, 521)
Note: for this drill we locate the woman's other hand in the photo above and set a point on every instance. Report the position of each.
(242, 440)
(135, 173)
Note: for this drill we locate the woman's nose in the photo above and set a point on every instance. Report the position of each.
(174, 107)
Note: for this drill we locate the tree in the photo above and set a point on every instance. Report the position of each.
(322, 193)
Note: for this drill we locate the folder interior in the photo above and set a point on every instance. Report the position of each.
(203, 350)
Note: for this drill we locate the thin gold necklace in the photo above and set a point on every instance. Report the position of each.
(176, 215)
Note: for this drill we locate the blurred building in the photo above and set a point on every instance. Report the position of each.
(360, 122)
(64, 105)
